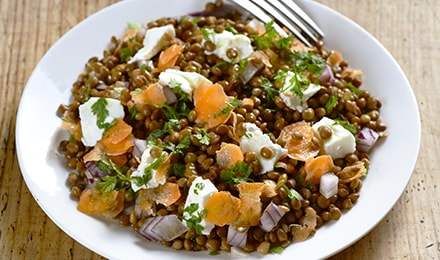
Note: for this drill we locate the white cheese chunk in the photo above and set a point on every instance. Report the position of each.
(146, 160)
(227, 40)
(198, 194)
(341, 142)
(155, 40)
(188, 80)
(91, 133)
(254, 140)
(294, 101)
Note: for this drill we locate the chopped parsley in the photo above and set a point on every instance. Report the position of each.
(350, 127)
(112, 182)
(353, 89)
(198, 187)
(195, 217)
(307, 61)
(271, 91)
(271, 37)
(293, 82)
(203, 136)
(231, 29)
(99, 109)
(180, 147)
(133, 25)
(240, 172)
(207, 33)
(125, 54)
(230, 106)
(332, 102)
(277, 249)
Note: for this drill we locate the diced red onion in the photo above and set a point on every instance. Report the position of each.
(94, 170)
(328, 185)
(101, 87)
(367, 139)
(250, 71)
(327, 75)
(162, 228)
(271, 216)
(139, 147)
(236, 238)
(169, 94)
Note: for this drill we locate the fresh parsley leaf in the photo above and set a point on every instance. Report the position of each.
(203, 136)
(198, 187)
(230, 106)
(332, 102)
(125, 53)
(307, 61)
(179, 169)
(112, 182)
(133, 25)
(277, 250)
(180, 147)
(350, 127)
(231, 29)
(207, 33)
(174, 83)
(195, 217)
(240, 172)
(99, 109)
(242, 64)
(271, 91)
(171, 125)
(296, 83)
(353, 89)
(283, 42)
(104, 167)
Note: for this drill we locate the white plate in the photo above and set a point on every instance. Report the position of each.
(38, 131)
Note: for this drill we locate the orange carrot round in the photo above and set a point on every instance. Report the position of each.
(316, 167)
(298, 138)
(168, 57)
(222, 208)
(153, 94)
(101, 204)
(228, 155)
(210, 101)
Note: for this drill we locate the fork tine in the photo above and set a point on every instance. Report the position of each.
(280, 18)
(287, 12)
(303, 16)
(258, 13)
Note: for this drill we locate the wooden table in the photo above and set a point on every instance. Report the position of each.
(409, 29)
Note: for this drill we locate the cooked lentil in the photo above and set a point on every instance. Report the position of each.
(268, 111)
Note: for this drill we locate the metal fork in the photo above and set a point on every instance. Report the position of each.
(286, 13)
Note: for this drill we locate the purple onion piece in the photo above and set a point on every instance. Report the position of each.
(236, 238)
(94, 170)
(271, 216)
(139, 147)
(162, 228)
(327, 75)
(367, 138)
(328, 185)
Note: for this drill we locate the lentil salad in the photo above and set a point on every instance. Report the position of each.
(191, 146)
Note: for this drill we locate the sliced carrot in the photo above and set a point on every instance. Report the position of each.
(117, 133)
(163, 169)
(153, 94)
(228, 155)
(298, 138)
(222, 208)
(118, 160)
(166, 194)
(101, 204)
(96, 154)
(250, 206)
(210, 101)
(168, 57)
(316, 167)
(119, 148)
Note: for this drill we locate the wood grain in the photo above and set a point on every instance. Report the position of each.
(409, 29)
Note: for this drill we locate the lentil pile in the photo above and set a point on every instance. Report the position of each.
(249, 124)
